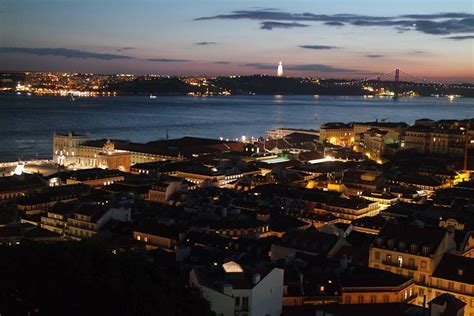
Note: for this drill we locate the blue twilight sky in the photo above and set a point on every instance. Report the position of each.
(326, 38)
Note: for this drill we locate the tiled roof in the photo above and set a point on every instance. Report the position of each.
(401, 237)
(455, 268)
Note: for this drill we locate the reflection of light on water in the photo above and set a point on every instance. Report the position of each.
(278, 98)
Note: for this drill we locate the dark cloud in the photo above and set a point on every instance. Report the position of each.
(265, 9)
(436, 24)
(334, 23)
(124, 48)
(168, 60)
(460, 38)
(433, 27)
(417, 52)
(287, 16)
(270, 25)
(374, 55)
(62, 52)
(318, 47)
(222, 62)
(449, 15)
(260, 66)
(303, 67)
(320, 68)
(402, 29)
(205, 43)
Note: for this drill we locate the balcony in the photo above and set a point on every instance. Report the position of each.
(397, 265)
(410, 298)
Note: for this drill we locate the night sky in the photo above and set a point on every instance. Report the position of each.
(326, 38)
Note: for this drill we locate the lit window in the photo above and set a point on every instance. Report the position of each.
(400, 261)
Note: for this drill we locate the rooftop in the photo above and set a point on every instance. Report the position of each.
(401, 237)
(234, 272)
(20, 182)
(370, 277)
(185, 146)
(455, 268)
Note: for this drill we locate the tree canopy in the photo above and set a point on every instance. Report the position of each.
(84, 278)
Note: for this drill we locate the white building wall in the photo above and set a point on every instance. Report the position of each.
(241, 293)
(221, 304)
(265, 299)
(267, 295)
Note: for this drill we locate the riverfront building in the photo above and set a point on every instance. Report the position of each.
(78, 151)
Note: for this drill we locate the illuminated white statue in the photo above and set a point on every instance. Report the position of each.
(280, 69)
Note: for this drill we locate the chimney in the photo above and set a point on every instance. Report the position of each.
(256, 278)
(344, 263)
(301, 283)
(227, 289)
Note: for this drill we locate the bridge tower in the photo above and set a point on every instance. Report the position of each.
(397, 83)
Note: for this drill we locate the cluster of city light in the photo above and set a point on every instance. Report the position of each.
(28, 89)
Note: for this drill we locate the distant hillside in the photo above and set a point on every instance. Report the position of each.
(261, 85)
(161, 85)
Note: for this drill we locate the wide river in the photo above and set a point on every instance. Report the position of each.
(27, 123)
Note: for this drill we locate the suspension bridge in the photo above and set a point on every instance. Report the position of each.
(399, 77)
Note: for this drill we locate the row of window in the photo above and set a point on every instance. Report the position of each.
(450, 286)
(245, 302)
(400, 260)
(361, 299)
(402, 245)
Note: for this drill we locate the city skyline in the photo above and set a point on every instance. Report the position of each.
(431, 39)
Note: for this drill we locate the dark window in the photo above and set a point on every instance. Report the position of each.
(245, 303)
(423, 279)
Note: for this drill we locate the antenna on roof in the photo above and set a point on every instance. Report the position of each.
(167, 134)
